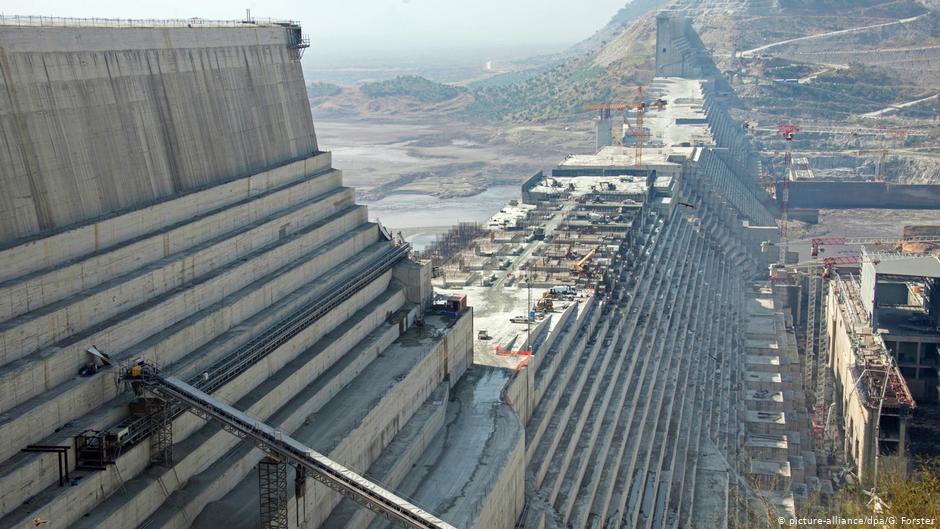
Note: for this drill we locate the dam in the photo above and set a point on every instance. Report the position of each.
(606, 352)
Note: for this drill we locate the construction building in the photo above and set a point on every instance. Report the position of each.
(882, 324)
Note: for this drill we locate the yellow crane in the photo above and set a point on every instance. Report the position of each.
(579, 266)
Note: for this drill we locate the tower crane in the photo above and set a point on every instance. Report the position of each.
(816, 244)
(788, 131)
(639, 133)
(639, 106)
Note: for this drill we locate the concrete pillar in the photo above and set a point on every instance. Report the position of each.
(604, 134)
(416, 279)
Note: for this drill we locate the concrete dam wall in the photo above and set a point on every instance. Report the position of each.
(95, 120)
(846, 195)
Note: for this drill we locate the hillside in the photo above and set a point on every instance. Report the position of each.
(833, 66)
(619, 23)
(411, 86)
(605, 67)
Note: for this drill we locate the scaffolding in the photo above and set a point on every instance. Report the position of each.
(810, 365)
(272, 487)
(161, 442)
(446, 246)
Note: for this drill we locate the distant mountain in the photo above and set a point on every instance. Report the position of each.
(605, 67)
(625, 17)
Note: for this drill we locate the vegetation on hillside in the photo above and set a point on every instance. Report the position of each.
(411, 86)
(556, 93)
(610, 73)
(606, 67)
(318, 89)
(901, 498)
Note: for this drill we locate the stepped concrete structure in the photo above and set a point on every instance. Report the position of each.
(622, 361)
(164, 199)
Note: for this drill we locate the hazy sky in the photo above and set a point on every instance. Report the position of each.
(375, 24)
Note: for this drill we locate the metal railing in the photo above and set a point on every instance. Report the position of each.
(44, 21)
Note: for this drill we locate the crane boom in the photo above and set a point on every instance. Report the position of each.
(583, 261)
(272, 441)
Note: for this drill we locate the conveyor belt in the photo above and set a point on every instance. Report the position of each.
(139, 428)
(321, 468)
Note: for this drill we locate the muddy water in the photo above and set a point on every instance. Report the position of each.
(413, 212)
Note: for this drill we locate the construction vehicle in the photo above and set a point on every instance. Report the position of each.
(580, 265)
(562, 290)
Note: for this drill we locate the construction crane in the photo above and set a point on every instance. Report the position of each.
(146, 377)
(639, 132)
(788, 131)
(579, 266)
(603, 113)
(826, 264)
(639, 106)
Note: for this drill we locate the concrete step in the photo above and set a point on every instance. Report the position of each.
(635, 299)
(542, 459)
(22, 294)
(650, 348)
(580, 516)
(228, 462)
(578, 437)
(686, 453)
(547, 404)
(473, 471)
(396, 460)
(47, 369)
(656, 421)
(61, 403)
(673, 423)
(715, 336)
(32, 255)
(109, 413)
(135, 460)
(119, 293)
